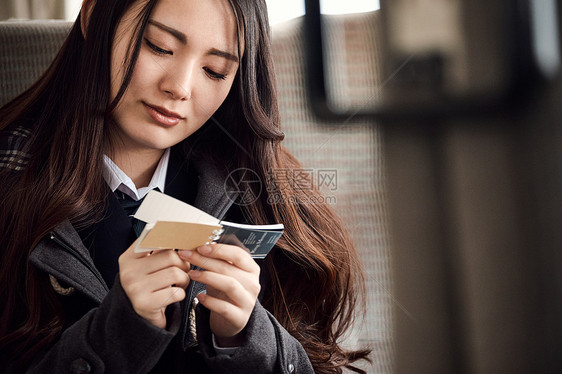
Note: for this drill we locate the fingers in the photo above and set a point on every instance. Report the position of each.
(165, 278)
(243, 296)
(152, 306)
(161, 299)
(213, 257)
(239, 285)
(234, 315)
(232, 280)
(148, 264)
(153, 281)
(216, 265)
(137, 283)
(162, 259)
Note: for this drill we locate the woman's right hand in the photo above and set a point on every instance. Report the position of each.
(153, 281)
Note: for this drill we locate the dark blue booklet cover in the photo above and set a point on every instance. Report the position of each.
(257, 239)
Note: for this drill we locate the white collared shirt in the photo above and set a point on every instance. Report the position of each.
(118, 180)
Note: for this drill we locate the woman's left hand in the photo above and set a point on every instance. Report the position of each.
(232, 279)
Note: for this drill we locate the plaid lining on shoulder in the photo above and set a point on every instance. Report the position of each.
(12, 142)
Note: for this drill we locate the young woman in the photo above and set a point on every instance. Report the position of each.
(174, 95)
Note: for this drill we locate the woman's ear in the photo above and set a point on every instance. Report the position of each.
(85, 13)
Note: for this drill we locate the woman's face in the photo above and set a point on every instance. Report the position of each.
(185, 69)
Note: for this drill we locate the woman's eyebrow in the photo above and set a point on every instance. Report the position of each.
(183, 39)
(218, 52)
(175, 33)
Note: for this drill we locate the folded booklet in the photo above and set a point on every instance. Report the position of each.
(173, 224)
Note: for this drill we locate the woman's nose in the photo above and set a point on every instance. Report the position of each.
(178, 83)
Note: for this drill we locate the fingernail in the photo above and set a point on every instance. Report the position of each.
(201, 296)
(186, 254)
(205, 249)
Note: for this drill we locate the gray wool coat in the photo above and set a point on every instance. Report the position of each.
(105, 335)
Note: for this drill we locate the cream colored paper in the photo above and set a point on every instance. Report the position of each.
(159, 207)
(176, 235)
(173, 224)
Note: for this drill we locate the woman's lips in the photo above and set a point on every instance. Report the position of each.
(163, 116)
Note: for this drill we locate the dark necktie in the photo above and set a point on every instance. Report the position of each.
(130, 207)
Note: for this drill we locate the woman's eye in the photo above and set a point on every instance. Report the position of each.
(157, 49)
(214, 75)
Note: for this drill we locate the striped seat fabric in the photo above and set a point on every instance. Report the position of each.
(345, 158)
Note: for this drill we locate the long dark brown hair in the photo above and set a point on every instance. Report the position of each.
(316, 282)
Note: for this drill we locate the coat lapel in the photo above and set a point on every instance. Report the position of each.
(213, 195)
(201, 184)
(63, 255)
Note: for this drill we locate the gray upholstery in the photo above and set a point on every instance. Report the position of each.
(26, 49)
(352, 149)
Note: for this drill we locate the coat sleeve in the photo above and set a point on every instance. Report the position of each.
(268, 347)
(112, 338)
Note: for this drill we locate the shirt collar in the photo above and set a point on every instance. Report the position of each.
(118, 180)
